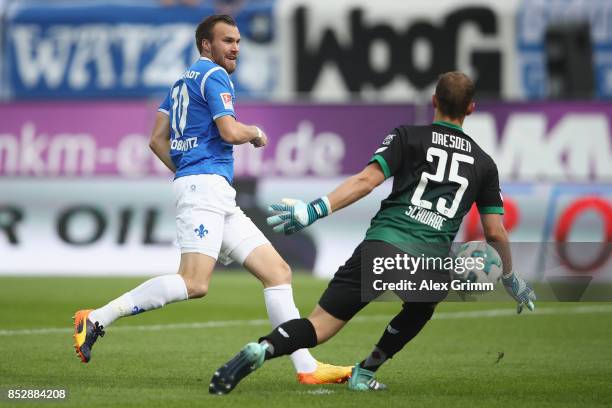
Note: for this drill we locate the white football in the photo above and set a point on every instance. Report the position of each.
(477, 262)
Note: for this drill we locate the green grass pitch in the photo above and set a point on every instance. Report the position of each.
(559, 356)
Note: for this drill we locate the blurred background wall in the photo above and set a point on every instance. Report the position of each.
(80, 82)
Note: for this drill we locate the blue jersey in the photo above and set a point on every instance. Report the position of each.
(203, 94)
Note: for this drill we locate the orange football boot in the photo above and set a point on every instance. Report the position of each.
(325, 374)
(85, 335)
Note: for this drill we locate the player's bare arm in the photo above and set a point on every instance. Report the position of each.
(497, 236)
(356, 187)
(238, 133)
(292, 215)
(160, 140)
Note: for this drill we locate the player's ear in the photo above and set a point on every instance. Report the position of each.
(471, 108)
(434, 101)
(206, 45)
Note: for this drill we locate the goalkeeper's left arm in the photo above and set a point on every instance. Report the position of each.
(292, 215)
(517, 287)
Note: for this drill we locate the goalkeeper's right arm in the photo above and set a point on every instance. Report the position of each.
(291, 215)
(356, 187)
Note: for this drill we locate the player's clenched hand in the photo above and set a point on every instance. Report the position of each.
(292, 215)
(261, 140)
(520, 291)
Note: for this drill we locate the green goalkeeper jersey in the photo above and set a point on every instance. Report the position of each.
(438, 173)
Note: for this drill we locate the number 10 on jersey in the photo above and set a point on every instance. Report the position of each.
(180, 103)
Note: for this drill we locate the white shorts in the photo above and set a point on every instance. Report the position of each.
(209, 222)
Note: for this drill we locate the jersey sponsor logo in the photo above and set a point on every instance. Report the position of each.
(380, 150)
(227, 100)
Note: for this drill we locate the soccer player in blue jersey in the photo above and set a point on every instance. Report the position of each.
(194, 134)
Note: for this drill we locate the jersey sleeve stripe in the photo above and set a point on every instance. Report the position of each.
(491, 210)
(382, 163)
(162, 110)
(209, 73)
(218, 115)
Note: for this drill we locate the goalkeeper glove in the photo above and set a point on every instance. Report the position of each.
(520, 291)
(292, 215)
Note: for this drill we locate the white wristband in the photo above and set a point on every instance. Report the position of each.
(327, 203)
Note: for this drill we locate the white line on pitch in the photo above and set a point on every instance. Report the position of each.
(264, 322)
